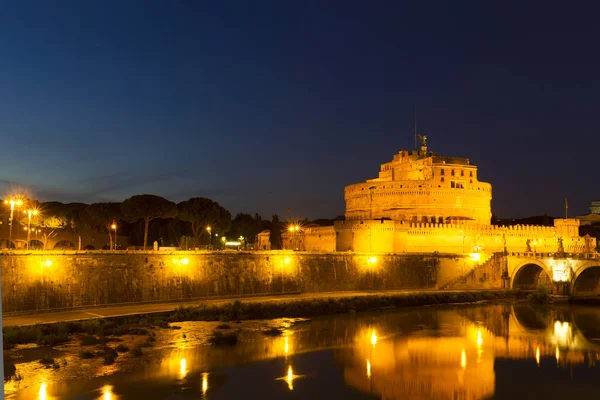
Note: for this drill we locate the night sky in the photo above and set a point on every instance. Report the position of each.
(275, 106)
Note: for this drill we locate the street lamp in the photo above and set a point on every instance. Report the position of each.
(13, 203)
(209, 230)
(29, 214)
(114, 228)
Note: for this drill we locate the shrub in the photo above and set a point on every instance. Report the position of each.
(122, 348)
(137, 351)
(86, 354)
(272, 331)
(541, 294)
(89, 340)
(110, 355)
(223, 339)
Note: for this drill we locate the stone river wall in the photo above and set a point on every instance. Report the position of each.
(49, 281)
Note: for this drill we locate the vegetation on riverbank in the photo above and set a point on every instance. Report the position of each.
(96, 331)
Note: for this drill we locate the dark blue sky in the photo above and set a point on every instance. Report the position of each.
(275, 106)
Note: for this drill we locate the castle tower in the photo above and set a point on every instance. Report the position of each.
(422, 186)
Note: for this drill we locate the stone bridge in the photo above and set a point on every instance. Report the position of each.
(575, 274)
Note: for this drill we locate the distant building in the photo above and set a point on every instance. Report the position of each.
(263, 241)
(593, 218)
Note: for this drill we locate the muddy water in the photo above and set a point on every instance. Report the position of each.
(471, 352)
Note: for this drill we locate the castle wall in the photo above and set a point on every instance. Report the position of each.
(54, 280)
(399, 237)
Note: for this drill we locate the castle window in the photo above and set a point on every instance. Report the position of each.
(452, 184)
(471, 174)
(462, 173)
(442, 179)
(452, 173)
(442, 171)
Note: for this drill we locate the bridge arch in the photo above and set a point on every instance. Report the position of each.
(4, 244)
(36, 244)
(531, 274)
(64, 245)
(587, 281)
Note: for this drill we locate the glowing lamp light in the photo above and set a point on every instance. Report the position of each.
(479, 338)
(475, 256)
(232, 243)
(113, 226)
(48, 263)
(372, 260)
(287, 260)
(537, 355)
(560, 273)
(185, 261)
(368, 369)
(463, 359)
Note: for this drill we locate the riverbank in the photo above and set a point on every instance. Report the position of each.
(56, 333)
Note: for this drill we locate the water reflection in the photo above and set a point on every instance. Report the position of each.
(43, 388)
(107, 393)
(204, 383)
(426, 353)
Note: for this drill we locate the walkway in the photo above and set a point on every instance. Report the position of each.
(124, 310)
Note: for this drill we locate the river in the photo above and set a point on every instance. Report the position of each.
(463, 352)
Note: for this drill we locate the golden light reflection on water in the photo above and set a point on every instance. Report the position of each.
(182, 368)
(107, 392)
(204, 382)
(43, 395)
(436, 356)
(290, 378)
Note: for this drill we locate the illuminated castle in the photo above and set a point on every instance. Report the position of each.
(422, 186)
(423, 202)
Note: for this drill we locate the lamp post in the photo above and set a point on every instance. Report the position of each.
(29, 214)
(114, 228)
(13, 203)
(209, 230)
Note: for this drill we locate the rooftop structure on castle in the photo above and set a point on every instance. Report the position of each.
(422, 186)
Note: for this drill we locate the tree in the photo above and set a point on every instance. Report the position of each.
(247, 226)
(147, 207)
(50, 224)
(104, 214)
(200, 213)
(275, 233)
(78, 220)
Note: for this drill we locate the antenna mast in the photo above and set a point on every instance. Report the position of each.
(415, 123)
